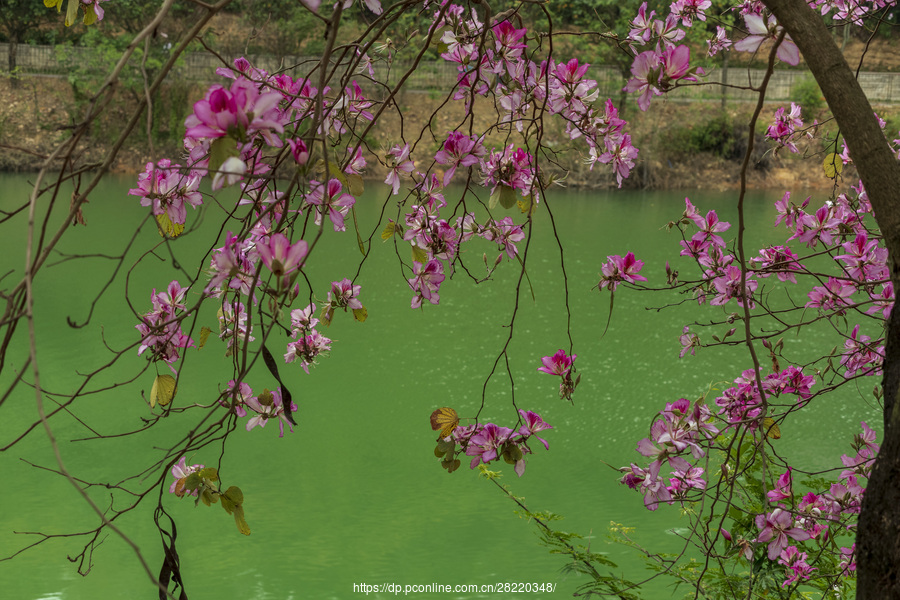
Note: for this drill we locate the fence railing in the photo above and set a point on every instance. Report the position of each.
(881, 88)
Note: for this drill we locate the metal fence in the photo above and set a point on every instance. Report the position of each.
(881, 88)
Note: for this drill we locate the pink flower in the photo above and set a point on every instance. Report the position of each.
(558, 364)
(728, 286)
(776, 527)
(835, 295)
(167, 189)
(269, 405)
(483, 445)
(505, 233)
(795, 561)
(782, 489)
(398, 162)
(307, 349)
(427, 282)
(617, 269)
(181, 471)
(459, 150)
(761, 30)
(343, 294)
(280, 256)
(299, 151)
(239, 112)
(533, 424)
(645, 71)
(687, 10)
(719, 43)
(689, 341)
(331, 198)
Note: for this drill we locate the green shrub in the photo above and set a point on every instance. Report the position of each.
(714, 136)
(807, 94)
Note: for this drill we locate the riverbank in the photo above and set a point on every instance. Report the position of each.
(683, 145)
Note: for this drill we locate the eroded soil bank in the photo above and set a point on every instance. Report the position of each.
(696, 145)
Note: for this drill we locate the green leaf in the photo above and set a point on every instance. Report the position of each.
(388, 232)
(419, 255)
(832, 165)
(163, 390)
(494, 200)
(232, 498)
(204, 335)
(209, 473)
(235, 494)
(355, 184)
(192, 482)
(360, 314)
(359, 240)
(221, 150)
(507, 196)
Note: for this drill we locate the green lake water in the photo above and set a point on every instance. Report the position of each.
(355, 494)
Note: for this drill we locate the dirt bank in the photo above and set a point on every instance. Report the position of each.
(683, 145)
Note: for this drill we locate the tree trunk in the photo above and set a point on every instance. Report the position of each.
(878, 533)
(12, 58)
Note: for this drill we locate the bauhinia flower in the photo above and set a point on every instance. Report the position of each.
(776, 527)
(558, 364)
(280, 256)
(618, 269)
(332, 198)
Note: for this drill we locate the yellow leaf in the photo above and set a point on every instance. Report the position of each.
(72, 12)
(90, 17)
(167, 228)
(526, 205)
(832, 165)
(444, 419)
(163, 390)
(771, 428)
(239, 520)
(388, 232)
(360, 314)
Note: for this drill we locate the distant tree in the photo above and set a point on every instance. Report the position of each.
(20, 20)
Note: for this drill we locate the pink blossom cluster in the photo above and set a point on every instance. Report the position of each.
(425, 230)
(618, 269)
(682, 430)
(308, 342)
(262, 408)
(784, 130)
(521, 85)
(488, 442)
(741, 405)
(160, 329)
(168, 189)
(814, 513)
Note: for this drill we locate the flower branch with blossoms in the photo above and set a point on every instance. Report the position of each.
(751, 510)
